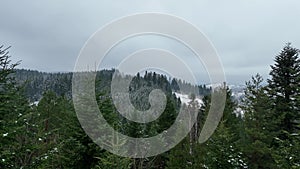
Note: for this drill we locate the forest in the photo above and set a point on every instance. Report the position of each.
(40, 129)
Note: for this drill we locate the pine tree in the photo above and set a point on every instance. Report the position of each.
(221, 149)
(174, 85)
(259, 124)
(179, 157)
(16, 118)
(283, 90)
(7, 83)
(284, 86)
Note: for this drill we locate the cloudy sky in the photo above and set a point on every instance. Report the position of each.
(48, 35)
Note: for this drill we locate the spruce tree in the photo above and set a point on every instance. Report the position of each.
(16, 127)
(222, 150)
(283, 91)
(259, 125)
(284, 86)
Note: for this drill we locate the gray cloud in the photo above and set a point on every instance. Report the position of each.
(248, 34)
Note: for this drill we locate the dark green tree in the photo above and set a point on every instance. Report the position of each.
(17, 128)
(283, 91)
(222, 150)
(284, 86)
(259, 126)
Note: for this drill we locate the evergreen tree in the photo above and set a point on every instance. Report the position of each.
(259, 124)
(222, 150)
(283, 91)
(284, 86)
(179, 157)
(174, 85)
(16, 128)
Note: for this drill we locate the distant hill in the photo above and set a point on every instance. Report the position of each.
(35, 83)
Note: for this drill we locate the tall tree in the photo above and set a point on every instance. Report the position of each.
(284, 86)
(284, 91)
(259, 124)
(222, 150)
(17, 131)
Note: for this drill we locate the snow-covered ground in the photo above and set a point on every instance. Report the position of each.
(185, 98)
(236, 89)
(34, 103)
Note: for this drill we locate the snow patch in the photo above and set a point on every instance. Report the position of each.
(186, 99)
(34, 103)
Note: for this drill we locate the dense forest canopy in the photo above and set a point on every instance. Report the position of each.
(260, 131)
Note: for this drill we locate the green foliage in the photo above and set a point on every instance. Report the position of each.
(283, 91)
(109, 161)
(17, 131)
(262, 132)
(222, 150)
(284, 86)
(259, 123)
(271, 115)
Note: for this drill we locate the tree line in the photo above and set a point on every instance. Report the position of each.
(261, 131)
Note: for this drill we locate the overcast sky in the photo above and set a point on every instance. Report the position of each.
(48, 35)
